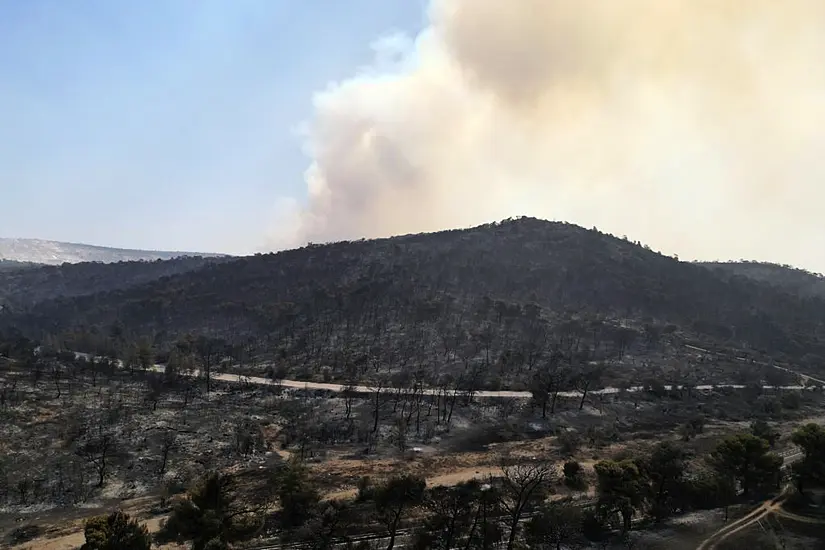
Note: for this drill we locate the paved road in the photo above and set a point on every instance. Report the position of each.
(518, 394)
(298, 384)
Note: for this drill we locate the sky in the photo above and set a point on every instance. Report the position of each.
(168, 124)
(695, 126)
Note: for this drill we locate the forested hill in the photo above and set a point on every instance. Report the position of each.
(491, 291)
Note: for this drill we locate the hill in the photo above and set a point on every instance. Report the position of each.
(57, 253)
(497, 295)
(797, 281)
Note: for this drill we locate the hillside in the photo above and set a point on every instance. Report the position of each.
(797, 281)
(24, 285)
(497, 294)
(57, 253)
(10, 265)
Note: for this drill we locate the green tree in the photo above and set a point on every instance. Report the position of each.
(810, 471)
(761, 428)
(747, 460)
(296, 494)
(115, 532)
(707, 489)
(665, 468)
(574, 476)
(394, 499)
(213, 511)
(621, 489)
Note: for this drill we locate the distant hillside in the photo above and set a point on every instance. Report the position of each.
(494, 293)
(797, 281)
(25, 285)
(57, 253)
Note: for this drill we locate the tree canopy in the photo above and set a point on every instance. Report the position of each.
(810, 471)
(747, 460)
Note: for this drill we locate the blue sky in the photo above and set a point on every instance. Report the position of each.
(168, 124)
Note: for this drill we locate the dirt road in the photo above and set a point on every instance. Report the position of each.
(765, 509)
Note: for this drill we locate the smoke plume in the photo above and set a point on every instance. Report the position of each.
(697, 126)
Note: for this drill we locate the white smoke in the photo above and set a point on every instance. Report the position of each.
(697, 126)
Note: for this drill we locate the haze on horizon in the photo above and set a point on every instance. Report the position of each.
(694, 126)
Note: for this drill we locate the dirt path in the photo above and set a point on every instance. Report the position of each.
(443, 480)
(772, 506)
(713, 541)
(439, 471)
(76, 538)
(796, 517)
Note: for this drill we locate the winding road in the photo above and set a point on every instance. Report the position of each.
(297, 384)
(302, 385)
(337, 388)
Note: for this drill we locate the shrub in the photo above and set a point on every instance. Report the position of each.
(115, 532)
(365, 489)
(574, 476)
(791, 401)
(24, 534)
(569, 442)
